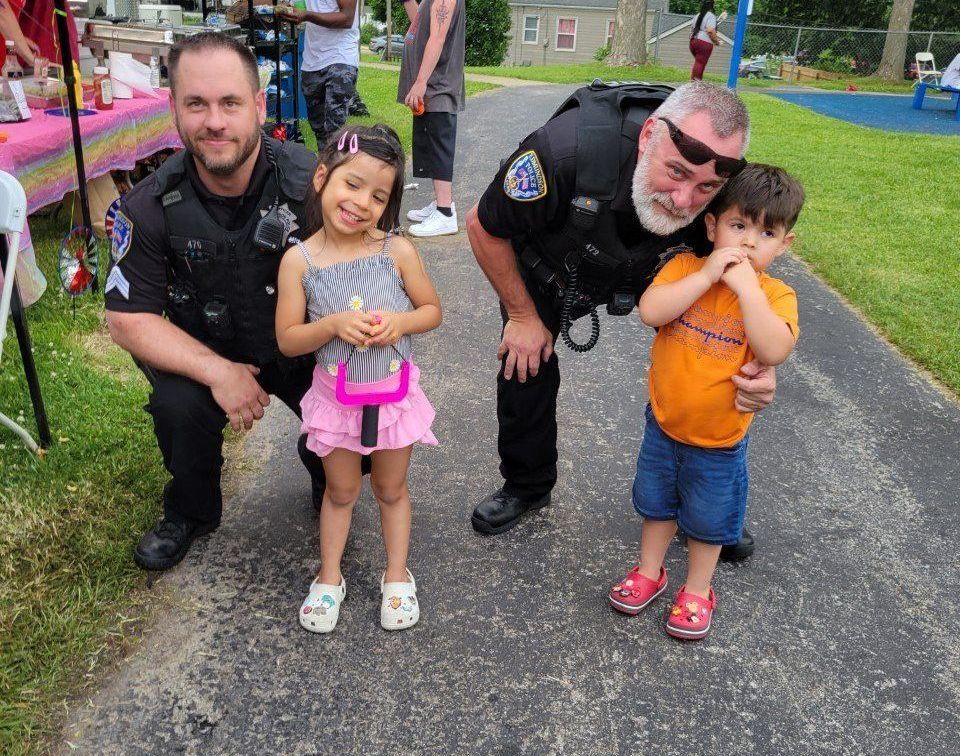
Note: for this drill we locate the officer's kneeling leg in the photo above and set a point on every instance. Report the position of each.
(189, 425)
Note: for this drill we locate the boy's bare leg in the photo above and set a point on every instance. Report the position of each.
(654, 540)
(703, 562)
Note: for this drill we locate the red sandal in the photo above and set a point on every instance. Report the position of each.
(636, 591)
(690, 616)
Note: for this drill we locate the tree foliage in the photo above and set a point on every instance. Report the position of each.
(379, 10)
(488, 32)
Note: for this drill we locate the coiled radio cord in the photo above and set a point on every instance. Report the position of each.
(569, 294)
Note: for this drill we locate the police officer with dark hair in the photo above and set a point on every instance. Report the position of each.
(583, 214)
(191, 293)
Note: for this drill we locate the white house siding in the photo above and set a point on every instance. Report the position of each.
(672, 50)
(591, 35)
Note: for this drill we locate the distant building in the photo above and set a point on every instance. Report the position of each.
(547, 32)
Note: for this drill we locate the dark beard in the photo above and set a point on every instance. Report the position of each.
(224, 169)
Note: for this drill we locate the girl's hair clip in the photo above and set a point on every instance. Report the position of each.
(354, 145)
(342, 142)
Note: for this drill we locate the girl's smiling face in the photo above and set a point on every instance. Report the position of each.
(355, 194)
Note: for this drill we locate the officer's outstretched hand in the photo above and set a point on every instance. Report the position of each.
(239, 395)
(756, 386)
(526, 343)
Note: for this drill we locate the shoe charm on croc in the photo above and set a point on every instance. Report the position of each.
(690, 616)
(399, 608)
(321, 608)
(636, 591)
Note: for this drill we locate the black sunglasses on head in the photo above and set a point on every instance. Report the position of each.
(698, 153)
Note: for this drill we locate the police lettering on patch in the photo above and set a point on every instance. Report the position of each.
(122, 237)
(525, 181)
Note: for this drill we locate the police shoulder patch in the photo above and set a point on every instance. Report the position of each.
(525, 180)
(122, 236)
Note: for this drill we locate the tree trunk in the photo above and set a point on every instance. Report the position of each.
(630, 33)
(895, 46)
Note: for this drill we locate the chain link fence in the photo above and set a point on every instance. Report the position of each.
(841, 52)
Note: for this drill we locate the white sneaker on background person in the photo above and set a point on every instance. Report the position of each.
(419, 216)
(437, 224)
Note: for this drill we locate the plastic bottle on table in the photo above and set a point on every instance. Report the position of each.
(12, 70)
(102, 88)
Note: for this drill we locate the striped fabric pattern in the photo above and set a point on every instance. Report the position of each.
(367, 283)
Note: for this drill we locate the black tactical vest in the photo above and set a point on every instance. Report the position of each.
(609, 121)
(224, 271)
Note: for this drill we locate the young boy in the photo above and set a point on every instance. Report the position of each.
(715, 314)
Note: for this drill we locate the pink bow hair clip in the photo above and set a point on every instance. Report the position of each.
(354, 143)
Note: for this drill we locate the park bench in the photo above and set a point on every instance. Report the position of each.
(921, 91)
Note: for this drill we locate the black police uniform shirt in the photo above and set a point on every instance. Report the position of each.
(533, 189)
(144, 257)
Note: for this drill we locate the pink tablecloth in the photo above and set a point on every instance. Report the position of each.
(39, 153)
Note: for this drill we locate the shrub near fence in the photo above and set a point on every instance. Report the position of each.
(846, 51)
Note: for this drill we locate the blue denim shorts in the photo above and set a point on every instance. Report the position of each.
(704, 490)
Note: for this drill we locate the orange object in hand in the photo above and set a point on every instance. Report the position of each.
(418, 110)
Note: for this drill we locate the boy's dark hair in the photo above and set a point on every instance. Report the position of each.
(198, 43)
(380, 142)
(762, 192)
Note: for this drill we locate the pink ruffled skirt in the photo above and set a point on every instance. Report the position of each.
(331, 425)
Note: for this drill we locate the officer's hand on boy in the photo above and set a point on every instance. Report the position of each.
(740, 277)
(526, 343)
(720, 260)
(236, 391)
(353, 326)
(756, 385)
(387, 328)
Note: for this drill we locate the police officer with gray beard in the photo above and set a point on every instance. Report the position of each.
(582, 215)
(191, 292)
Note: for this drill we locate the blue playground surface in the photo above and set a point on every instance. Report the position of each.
(879, 111)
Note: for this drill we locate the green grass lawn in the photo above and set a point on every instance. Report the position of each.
(69, 591)
(880, 225)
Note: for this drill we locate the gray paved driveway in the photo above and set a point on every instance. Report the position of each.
(838, 637)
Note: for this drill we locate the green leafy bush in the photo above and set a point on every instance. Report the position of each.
(488, 27)
(602, 52)
(368, 31)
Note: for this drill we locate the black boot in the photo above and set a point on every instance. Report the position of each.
(740, 550)
(168, 543)
(500, 511)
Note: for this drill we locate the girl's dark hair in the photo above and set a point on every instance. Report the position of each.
(705, 6)
(380, 142)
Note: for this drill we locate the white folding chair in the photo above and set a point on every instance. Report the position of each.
(927, 72)
(13, 216)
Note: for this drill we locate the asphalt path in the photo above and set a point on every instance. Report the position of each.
(838, 637)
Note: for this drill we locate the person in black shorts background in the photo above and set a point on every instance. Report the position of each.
(431, 84)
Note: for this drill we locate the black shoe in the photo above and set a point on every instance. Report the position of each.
(740, 550)
(168, 543)
(500, 511)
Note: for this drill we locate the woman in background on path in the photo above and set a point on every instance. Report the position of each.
(703, 38)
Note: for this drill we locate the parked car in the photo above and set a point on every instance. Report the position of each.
(379, 44)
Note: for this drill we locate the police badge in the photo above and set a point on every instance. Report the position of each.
(525, 180)
(122, 236)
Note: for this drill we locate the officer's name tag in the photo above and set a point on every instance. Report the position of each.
(525, 180)
(116, 280)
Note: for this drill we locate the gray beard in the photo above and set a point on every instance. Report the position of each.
(644, 199)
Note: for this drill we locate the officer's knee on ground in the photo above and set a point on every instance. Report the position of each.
(179, 402)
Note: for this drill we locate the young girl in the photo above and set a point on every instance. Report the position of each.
(362, 291)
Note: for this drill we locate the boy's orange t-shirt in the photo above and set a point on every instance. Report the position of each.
(694, 357)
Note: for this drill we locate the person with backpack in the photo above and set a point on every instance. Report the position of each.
(703, 38)
(570, 223)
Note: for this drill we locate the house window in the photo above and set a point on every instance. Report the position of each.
(566, 34)
(531, 29)
(611, 25)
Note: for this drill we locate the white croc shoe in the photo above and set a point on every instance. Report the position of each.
(321, 608)
(436, 224)
(399, 608)
(418, 216)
